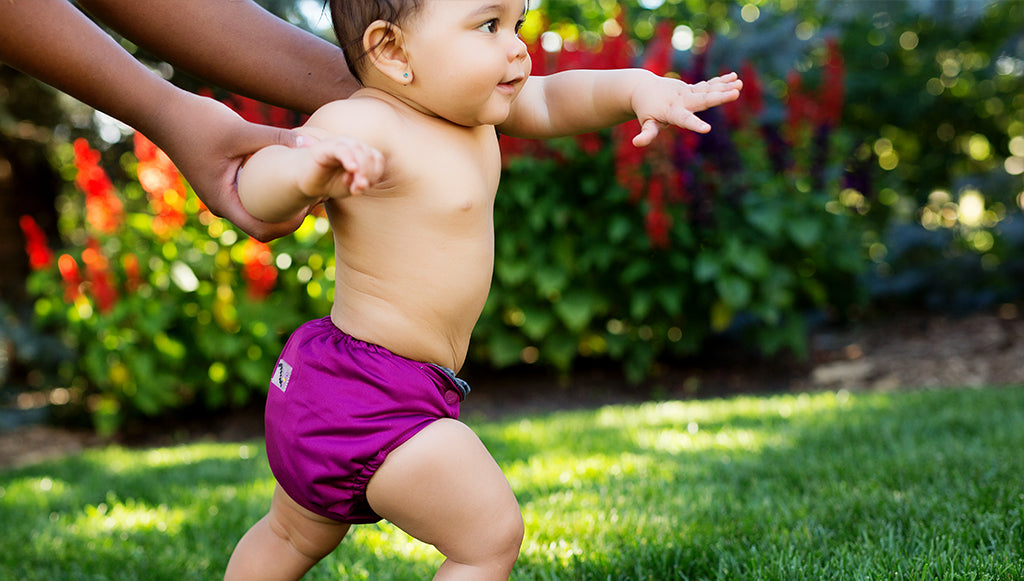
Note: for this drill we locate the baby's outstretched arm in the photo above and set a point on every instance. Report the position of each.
(278, 182)
(580, 101)
(662, 101)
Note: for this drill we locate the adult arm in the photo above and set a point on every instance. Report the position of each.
(236, 45)
(579, 101)
(54, 42)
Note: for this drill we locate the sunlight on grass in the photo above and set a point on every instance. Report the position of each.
(180, 455)
(808, 486)
(35, 490)
(125, 517)
(592, 478)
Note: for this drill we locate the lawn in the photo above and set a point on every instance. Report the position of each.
(911, 485)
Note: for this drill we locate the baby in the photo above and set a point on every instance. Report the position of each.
(361, 418)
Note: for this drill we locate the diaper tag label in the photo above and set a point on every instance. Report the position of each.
(282, 373)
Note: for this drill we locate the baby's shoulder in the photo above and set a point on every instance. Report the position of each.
(364, 118)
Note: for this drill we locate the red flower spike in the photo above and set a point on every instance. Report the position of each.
(833, 87)
(71, 276)
(39, 254)
(748, 108)
(258, 269)
(132, 272)
(164, 185)
(100, 277)
(658, 56)
(658, 224)
(103, 209)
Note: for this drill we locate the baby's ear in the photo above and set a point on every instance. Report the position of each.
(384, 44)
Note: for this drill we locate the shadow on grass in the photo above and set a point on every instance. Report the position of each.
(818, 486)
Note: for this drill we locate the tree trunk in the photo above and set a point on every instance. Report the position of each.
(28, 185)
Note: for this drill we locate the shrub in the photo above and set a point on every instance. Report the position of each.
(166, 305)
(603, 250)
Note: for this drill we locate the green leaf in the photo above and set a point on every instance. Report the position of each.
(748, 259)
(734, 291)
(550, 280)
(766, 217)
(640, 304)
(560, 349)
(576, 309)
(707, 267)
(671, 298)
(635, 271)
(538, 322)
(805, 232)
(506, 348)
(512, 272)
(620, 228)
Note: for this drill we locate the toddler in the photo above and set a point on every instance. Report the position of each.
(361, 417)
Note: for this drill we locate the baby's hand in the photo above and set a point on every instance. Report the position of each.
(338, 167)
(662, 101)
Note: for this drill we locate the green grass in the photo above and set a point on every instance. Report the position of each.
(920, 485)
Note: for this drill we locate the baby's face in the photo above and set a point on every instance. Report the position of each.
(467, 61)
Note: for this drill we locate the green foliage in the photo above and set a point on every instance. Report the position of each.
(795, 487)
(602, 251)
(577, 274)
(752, 231)
(190, 323)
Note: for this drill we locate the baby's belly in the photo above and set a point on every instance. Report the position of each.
(427, 316)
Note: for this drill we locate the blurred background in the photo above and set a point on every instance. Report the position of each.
(871, 169)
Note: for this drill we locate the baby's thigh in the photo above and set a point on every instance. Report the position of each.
(444, 488)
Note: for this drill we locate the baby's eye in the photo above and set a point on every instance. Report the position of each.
(489, 26)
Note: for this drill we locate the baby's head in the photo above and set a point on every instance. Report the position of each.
(351, 19)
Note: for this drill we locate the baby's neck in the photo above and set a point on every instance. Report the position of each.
(398, 100)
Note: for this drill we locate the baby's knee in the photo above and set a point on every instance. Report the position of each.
(508, 532)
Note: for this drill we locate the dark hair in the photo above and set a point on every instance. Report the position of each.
(351, 17)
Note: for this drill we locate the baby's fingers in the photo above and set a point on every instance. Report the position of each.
(648, 131)
(362, 164)
(367, 170)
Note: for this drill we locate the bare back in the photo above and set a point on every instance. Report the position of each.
(414, 254)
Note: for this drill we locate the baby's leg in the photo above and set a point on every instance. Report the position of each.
(443, 487)
(285, 544)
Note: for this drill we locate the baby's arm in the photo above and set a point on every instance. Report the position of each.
(573, 102)
(279, 182)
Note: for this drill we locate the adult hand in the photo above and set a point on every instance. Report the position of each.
(209, 149)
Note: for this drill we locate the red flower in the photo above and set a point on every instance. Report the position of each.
(256, 112)
(748, 108)
(658, 224)
(658, 56)
(39, 254)
(825, 108)
(615, 51)
(629, 159)
(103, 209)
(538, 59)
(71, 276)
(132, 272)
(163, 184)
(100, 278)
(258, 268)
(833, 87)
